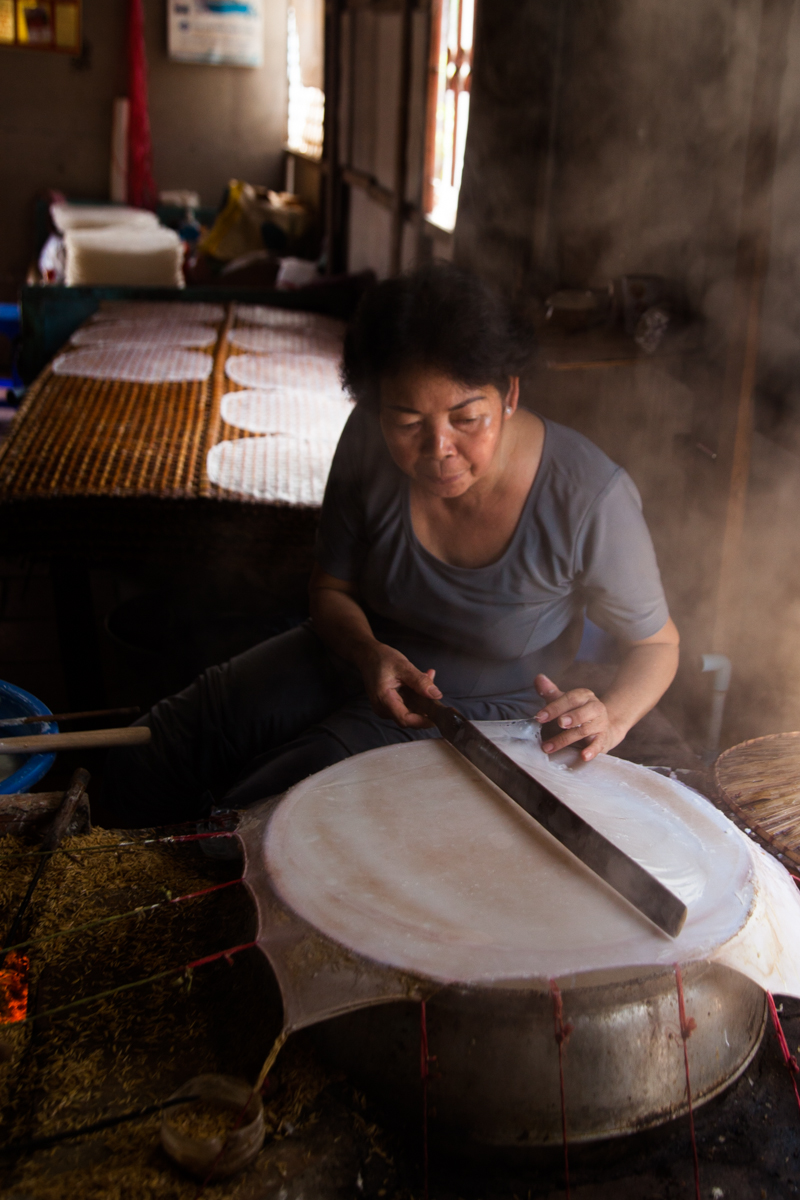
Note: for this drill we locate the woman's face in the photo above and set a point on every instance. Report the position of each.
(444, 435)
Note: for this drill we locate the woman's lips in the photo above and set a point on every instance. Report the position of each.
(443, 479)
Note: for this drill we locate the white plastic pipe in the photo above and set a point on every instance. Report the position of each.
(720, 664)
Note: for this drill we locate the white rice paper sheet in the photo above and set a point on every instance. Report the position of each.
(293, 411)
(287, 318)
(144, 333)
(294, 372)
(135, 365)
(286, 341)
(279, 469)
(410, 857)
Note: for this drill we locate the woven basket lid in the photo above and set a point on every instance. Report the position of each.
(759, 781)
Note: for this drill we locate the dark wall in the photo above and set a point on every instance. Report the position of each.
(607, 137)
(209, 123)
(509, 163)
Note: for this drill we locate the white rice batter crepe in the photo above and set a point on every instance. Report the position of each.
(143, 333)
(287, 318)
(281, 341)
(293, 371)
(280, 410)
(281, 469)
(159, 310)
(135, 365)
(410, 857)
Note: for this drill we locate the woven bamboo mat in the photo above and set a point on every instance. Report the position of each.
(85, 438)
(82, 437)
(759, 781)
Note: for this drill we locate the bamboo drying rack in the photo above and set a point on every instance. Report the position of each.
(91, 438)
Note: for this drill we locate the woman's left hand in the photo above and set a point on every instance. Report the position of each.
(581, 716)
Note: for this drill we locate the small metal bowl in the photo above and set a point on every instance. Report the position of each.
(215, 1157)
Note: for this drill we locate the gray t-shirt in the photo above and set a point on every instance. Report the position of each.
(581, 543)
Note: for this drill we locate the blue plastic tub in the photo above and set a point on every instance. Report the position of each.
(15, 702)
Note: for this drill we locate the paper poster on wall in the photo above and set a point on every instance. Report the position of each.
(41, 25)
(217, 31)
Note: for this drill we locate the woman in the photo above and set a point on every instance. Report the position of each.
(461, 540)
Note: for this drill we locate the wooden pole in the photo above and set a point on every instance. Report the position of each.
(401, 142)
(85, 739)
(752, 261)
(330, 157)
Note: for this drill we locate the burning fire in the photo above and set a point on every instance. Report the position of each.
(13, 989)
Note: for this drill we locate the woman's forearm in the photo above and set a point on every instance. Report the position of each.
(343, 626)
(647, 669)
(644, 675)
(341, 623)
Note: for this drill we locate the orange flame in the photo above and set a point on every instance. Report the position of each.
(13, 989)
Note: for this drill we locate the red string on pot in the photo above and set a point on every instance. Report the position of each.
(562, 1032)
(788, 1057)
(688, 1026)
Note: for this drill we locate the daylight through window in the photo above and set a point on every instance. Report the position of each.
(448, 107)
(306, 104)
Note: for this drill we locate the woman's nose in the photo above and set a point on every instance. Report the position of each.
(438, 442)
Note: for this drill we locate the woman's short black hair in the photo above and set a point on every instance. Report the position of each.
(439, 317)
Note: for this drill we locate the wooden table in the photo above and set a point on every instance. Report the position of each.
(99, 473)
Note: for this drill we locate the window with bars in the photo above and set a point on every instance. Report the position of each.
(450, 79)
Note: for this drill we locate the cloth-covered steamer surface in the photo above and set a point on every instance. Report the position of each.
(410, 859)
(145, 334)
(141, 364)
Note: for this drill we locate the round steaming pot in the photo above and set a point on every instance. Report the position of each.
(495, 1078)
(399, 875)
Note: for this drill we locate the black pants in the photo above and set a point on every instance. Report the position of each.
(244, 731)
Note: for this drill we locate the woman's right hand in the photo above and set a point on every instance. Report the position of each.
(384, 671)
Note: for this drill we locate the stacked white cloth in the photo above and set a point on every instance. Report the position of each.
(124, 256)
(100, 216)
